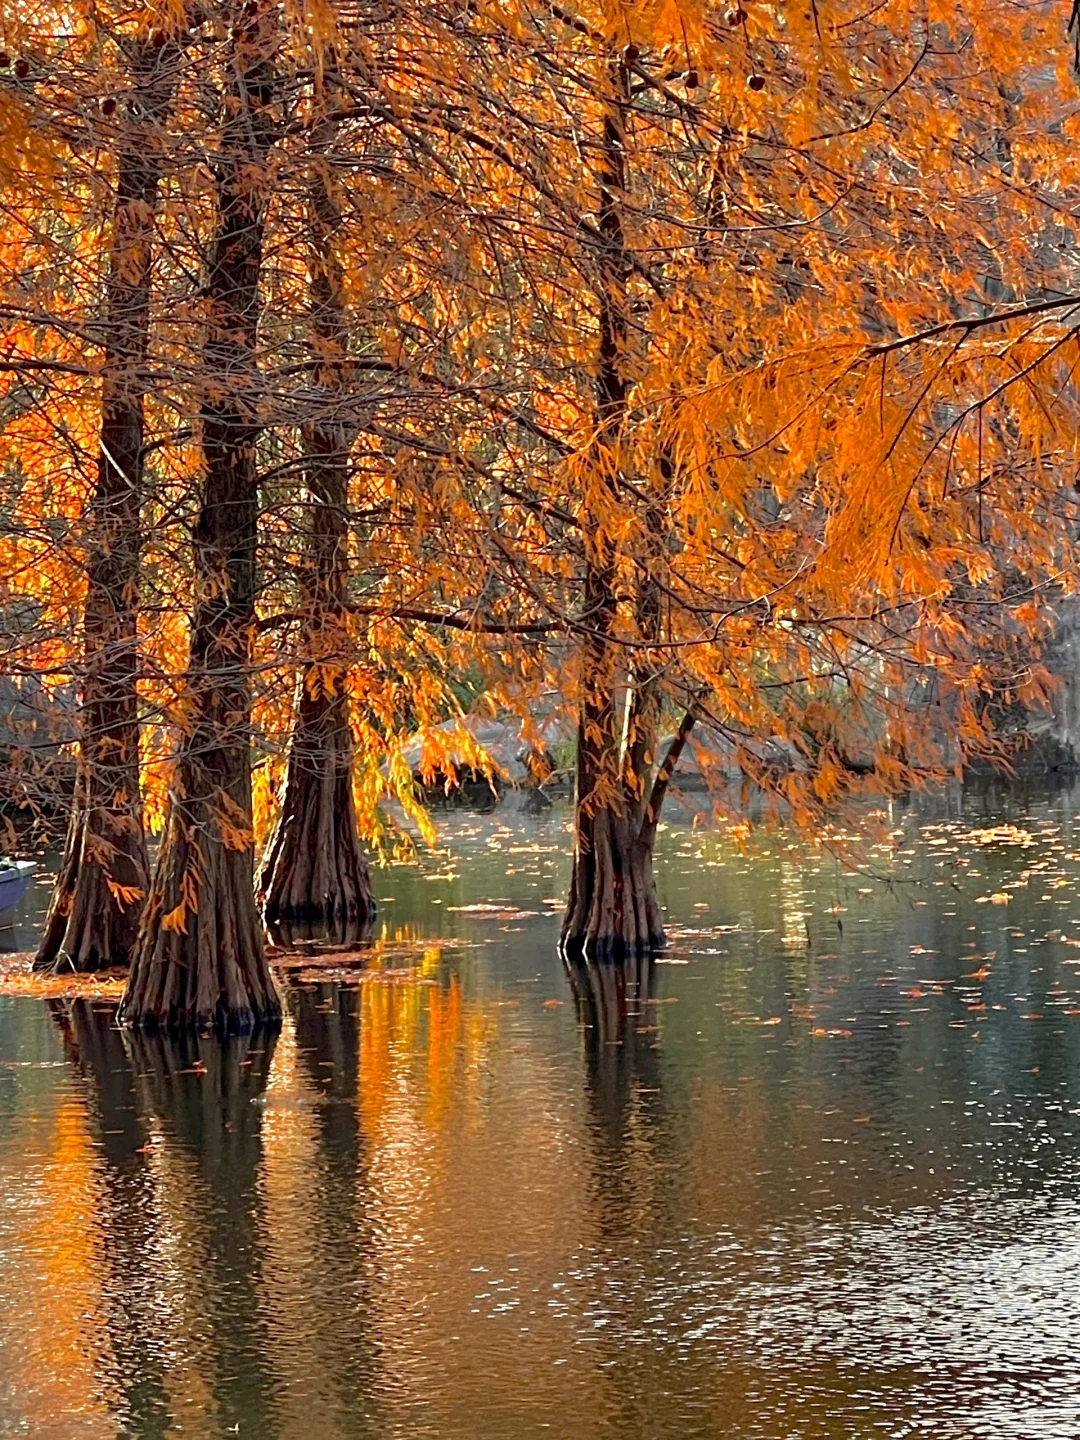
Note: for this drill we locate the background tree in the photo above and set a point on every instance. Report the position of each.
(102, 880)
(314, 869)
(755, 524)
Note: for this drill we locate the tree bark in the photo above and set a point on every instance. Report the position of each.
(199, 961)
(315, 874)
(94, 913)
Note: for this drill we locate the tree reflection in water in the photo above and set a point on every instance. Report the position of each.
(341, 934)
(630, 1183)
(181, 1141)
(612, 1001)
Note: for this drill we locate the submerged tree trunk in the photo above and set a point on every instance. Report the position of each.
(315, 873)
(200, 960)
(613, 910)
(94, 913)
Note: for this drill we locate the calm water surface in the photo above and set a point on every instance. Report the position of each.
(816, 1175)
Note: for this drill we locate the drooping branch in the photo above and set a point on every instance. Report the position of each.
(968, 324)
(444, 619)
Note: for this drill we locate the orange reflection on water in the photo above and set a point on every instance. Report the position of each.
(56, 1347)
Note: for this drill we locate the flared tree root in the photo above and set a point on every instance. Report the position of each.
(613, 911)
(200, 962)
(315, 876)
(93, 918)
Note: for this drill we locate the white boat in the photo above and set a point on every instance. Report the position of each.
(14, 883)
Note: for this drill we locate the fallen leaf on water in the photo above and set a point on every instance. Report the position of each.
(18, 978)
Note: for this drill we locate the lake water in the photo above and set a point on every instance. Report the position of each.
(816, 1175)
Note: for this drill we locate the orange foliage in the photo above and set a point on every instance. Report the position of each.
(839, 500)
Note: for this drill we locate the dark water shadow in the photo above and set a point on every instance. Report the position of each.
(634, 1159)
(341, 1222)
(313, 936)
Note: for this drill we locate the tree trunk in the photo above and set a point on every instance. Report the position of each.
(315, 874)
(612, 911)
(199, 960)
(94, 914)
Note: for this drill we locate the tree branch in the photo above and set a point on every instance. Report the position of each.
(972, 322)
(667, 769)
(426, 617)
